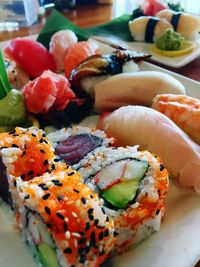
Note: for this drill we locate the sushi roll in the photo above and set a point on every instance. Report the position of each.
(24, 153)
(148, 29)
(187, 25)
(16, 76)
(132, 185)
(64, 222)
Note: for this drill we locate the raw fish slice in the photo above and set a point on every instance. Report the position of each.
(77, 53)
(134, 88)
(59, 44)
(157, 133)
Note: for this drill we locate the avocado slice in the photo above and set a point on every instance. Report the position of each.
(47, 256)
(119, 195)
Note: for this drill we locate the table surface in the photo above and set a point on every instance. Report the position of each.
(85, 16)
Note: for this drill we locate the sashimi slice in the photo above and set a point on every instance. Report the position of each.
(155, 132)
(77, 53)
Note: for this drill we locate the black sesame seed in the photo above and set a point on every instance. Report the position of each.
(92, 239)
(15, 134)
(103, 210)
(15, 183)
(90, 211)
(82, 241)
(56, 182)
(91, 196)
(83, 200)
(65, 226)
(67, 250)
(42, 151)
(115, 234)
(59, 215)
(91, 217)
(81, 233)
(27, 197)
(34, 135)
(100, 227)
(56, 160)
(45, 197)
(82, 259)
(87, 249)
(162, 167)
(30, 173)
(107, 219)
(76, 191)
(53, 167)
(101, 235)
(96, 221)
(41, 140)
(47, 210)
(14, 145)
(70, 173)
(49, 225)
(102, 253)
(23, 176)
(157, 212)
(24, 153)
(12, 132)
(45, 162)
(106, 233)
(45, 141)
(44, 135)
(59, 197)
(87, 227)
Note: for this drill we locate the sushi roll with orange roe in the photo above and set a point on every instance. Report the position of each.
(24, 153)
(64, 221)
(132, 184)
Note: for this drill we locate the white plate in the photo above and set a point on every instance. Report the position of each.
(175, 62)
(176, 245)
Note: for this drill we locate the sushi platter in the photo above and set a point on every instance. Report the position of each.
(177, 243)
(100, 149)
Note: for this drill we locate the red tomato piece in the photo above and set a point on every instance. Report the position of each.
(31, 55)
(47, 92)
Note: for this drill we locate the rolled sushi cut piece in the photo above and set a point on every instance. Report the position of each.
(24, 153)
(64, 222)
(132, 185)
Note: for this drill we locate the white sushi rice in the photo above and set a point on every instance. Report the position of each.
(130, 66)
(63, 134)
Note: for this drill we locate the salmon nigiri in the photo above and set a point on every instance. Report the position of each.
(155, 132)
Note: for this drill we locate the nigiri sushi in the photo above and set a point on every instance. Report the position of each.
(147, 28)
(59, 44)
(97, 68)
(77, 53)
(156, 132)
(183, 110)
(134, 88)
(31, 55)
(186, 24)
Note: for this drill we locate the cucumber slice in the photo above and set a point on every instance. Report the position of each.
(47, 256)
(119, 195)
(45, 235)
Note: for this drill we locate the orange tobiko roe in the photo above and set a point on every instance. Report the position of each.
(77, 53)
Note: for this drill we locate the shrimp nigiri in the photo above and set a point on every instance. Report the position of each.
(157, 133)
(183, 110)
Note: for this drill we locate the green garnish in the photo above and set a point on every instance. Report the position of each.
(176, 7)
(170, 40)
(4, 83)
